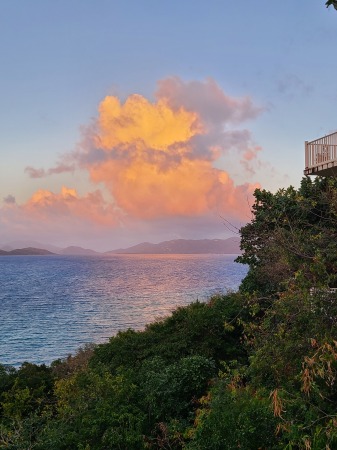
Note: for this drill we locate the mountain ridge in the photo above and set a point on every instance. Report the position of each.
(176, 246)
(184, 246)
(29, 251)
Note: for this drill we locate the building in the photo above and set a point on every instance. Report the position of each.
(321, 156)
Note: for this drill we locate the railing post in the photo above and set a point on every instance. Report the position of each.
(306, 154)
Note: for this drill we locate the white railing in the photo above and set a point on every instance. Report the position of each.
(327, 290)
(321, 150)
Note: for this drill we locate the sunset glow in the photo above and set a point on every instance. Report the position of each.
(159, 157)
(122, 123)
(137, 121)
(152, 160)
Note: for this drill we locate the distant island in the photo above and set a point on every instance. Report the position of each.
(26, 251)
(177, 246)
(185, 246)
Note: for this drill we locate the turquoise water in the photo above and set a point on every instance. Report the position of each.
(51, 305)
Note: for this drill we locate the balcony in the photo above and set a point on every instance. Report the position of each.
(321, 156)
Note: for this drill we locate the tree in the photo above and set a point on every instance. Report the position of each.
(232, 417)
(292, 238)
(331, 2)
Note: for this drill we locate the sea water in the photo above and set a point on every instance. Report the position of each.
(52, 305)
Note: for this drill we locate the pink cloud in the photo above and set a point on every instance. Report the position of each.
(48, 206)
(35, 173)
(10, 200)
(41, 173)
(156, 159)
(208, 100)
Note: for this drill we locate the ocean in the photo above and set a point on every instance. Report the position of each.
(52, 305)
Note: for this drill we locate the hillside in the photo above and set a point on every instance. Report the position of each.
(78, 251)
(185, 246)
(29, 251)
(177, 246)
(18, 244)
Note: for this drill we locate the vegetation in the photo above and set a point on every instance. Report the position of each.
(256, 369)
(331, 2)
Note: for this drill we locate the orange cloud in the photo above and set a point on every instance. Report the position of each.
(140, 122)
(63, 218)
(48, 206)
(190, 188)
(157, 159)
(251, 153)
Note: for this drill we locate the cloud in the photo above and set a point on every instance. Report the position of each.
(208, 100)
(291, 85)
(41, 173)
(63, 216)
(9, 200)
(249, 156)
(48, 206)
(156, 161)
(35, 173)
(157, 158)
(61, 168)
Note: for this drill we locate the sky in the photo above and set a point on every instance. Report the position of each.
(130, 121)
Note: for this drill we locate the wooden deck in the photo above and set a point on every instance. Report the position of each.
(321, 156)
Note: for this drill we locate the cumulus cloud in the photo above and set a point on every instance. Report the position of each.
(157, 160)
(63, 217)
(49, 206)
(208, 100)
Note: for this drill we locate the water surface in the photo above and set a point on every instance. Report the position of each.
(51, 305)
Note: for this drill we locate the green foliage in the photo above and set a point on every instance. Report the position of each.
(292, 238)
(26, 401)
(234, 417)
(197, 329)
(168, 391)
(62, 368)
(287, 332)
(331, 2)
(293, 352)
(95, 410)
(26, 390)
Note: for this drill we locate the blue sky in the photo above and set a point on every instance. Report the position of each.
(59, 60)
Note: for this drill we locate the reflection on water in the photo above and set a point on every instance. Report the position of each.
(52, 305)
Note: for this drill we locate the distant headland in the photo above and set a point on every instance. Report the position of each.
(26, 251)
